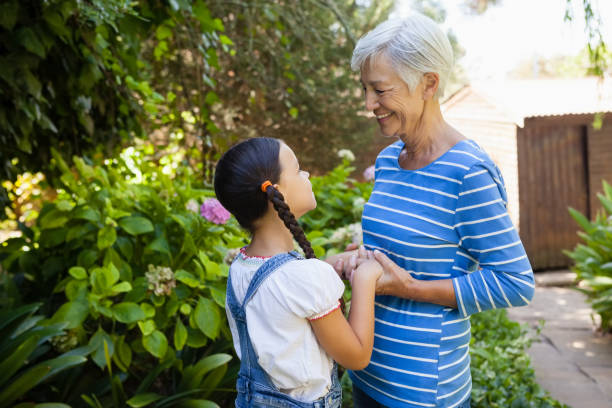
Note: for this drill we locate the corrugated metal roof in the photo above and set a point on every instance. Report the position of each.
(521, 99)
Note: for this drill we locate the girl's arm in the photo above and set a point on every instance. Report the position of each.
(350, 342)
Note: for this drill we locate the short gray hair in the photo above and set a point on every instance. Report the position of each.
(415, 45)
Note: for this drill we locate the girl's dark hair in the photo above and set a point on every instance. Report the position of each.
(238, 178)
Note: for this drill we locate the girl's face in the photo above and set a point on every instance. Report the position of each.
(294, 183)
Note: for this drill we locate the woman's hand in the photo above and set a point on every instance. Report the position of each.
(394, 279)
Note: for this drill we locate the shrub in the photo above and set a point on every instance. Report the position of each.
(593, 259)
(135, 276)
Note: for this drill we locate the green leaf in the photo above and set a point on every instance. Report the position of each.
(8, 17)
(293, 112)
(106, 237)
(17, 358)
(163, 32)
(136, 225)
(30, 41)
(187, 278)
(180, 335)
(23, 384)
(581, 220)
(121, 287)
(156, 344)
(143, 400)
(86, 213)
(53, 219)
(160, 244)
(207, 317)
(78, 272)
(218, 295)
(74, 313)
(97, 344)
(225, 40)
(198, 403)
(128, 312)
(147, 327)
(193, 375)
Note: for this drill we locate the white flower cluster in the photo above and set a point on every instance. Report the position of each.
(350, 232)
(230, 255)
(193, 206)
(161, 280)
(346, 154)
(65, 342)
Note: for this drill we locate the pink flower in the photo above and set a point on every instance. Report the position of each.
(368, 174)
(213, 211)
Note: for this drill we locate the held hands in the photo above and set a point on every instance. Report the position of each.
(394, 279)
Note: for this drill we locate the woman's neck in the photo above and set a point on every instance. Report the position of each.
(429, 138)
(270, 237)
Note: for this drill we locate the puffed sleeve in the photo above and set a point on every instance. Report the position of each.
(497, 271)
(312, 288)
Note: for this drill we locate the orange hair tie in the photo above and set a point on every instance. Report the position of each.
(265, 185)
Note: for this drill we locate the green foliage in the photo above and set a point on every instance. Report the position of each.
(79, 75)
(136, 278)
(502, 375)
(27, 364)
(593, 259)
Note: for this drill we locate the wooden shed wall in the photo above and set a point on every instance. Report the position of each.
(599, 145)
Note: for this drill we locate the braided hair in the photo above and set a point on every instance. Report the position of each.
(238, 178)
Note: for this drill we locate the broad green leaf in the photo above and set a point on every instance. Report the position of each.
(148, 310)
(180, 335)
(106, 237)
(78, 272)
(136, 225)
(143, 400)
(30, 41)
(74, 313)
(218, 295)
(160, 244)
(194, 374)
(207, 317)
(8, 316)
(128, 312)
(156, 344)
(147, 327)
(187, 278)
(86, 213)
(8, 17)
(97, 342)
(581, 220)
(121, 287)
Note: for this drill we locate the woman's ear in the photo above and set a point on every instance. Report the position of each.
(431, 81)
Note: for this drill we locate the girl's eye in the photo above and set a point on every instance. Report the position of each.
(379, 91)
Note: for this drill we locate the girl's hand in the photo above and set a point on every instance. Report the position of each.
(367, 269)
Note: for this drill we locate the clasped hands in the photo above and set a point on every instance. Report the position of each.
(391, 282)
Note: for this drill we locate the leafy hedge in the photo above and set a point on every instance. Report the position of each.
(593, 259)
(135, 277)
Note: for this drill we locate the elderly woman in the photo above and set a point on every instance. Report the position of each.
(437, 221)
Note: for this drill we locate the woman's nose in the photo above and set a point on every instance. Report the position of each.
(371, 101)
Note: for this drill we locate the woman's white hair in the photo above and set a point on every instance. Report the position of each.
(415, 45)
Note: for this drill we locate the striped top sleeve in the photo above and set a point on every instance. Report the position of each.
(501, 275)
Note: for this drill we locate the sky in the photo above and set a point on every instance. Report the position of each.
(515, 31)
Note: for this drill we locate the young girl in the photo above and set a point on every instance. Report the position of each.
(283, 310)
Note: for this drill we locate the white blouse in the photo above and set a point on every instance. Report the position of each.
(278, 322)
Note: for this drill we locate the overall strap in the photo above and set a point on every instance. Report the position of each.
(266, 270)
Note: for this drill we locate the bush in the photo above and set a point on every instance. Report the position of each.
(593, 259)
(502, 375)
(137, 279)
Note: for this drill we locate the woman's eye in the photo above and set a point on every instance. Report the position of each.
(379, 91)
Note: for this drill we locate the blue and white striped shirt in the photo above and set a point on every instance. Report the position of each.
(447, 220)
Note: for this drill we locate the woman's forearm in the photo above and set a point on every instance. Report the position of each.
(440, 292)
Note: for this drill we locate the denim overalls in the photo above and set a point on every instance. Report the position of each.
(254, 387)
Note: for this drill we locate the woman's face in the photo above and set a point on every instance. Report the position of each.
(398, 111)
(294, 183)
